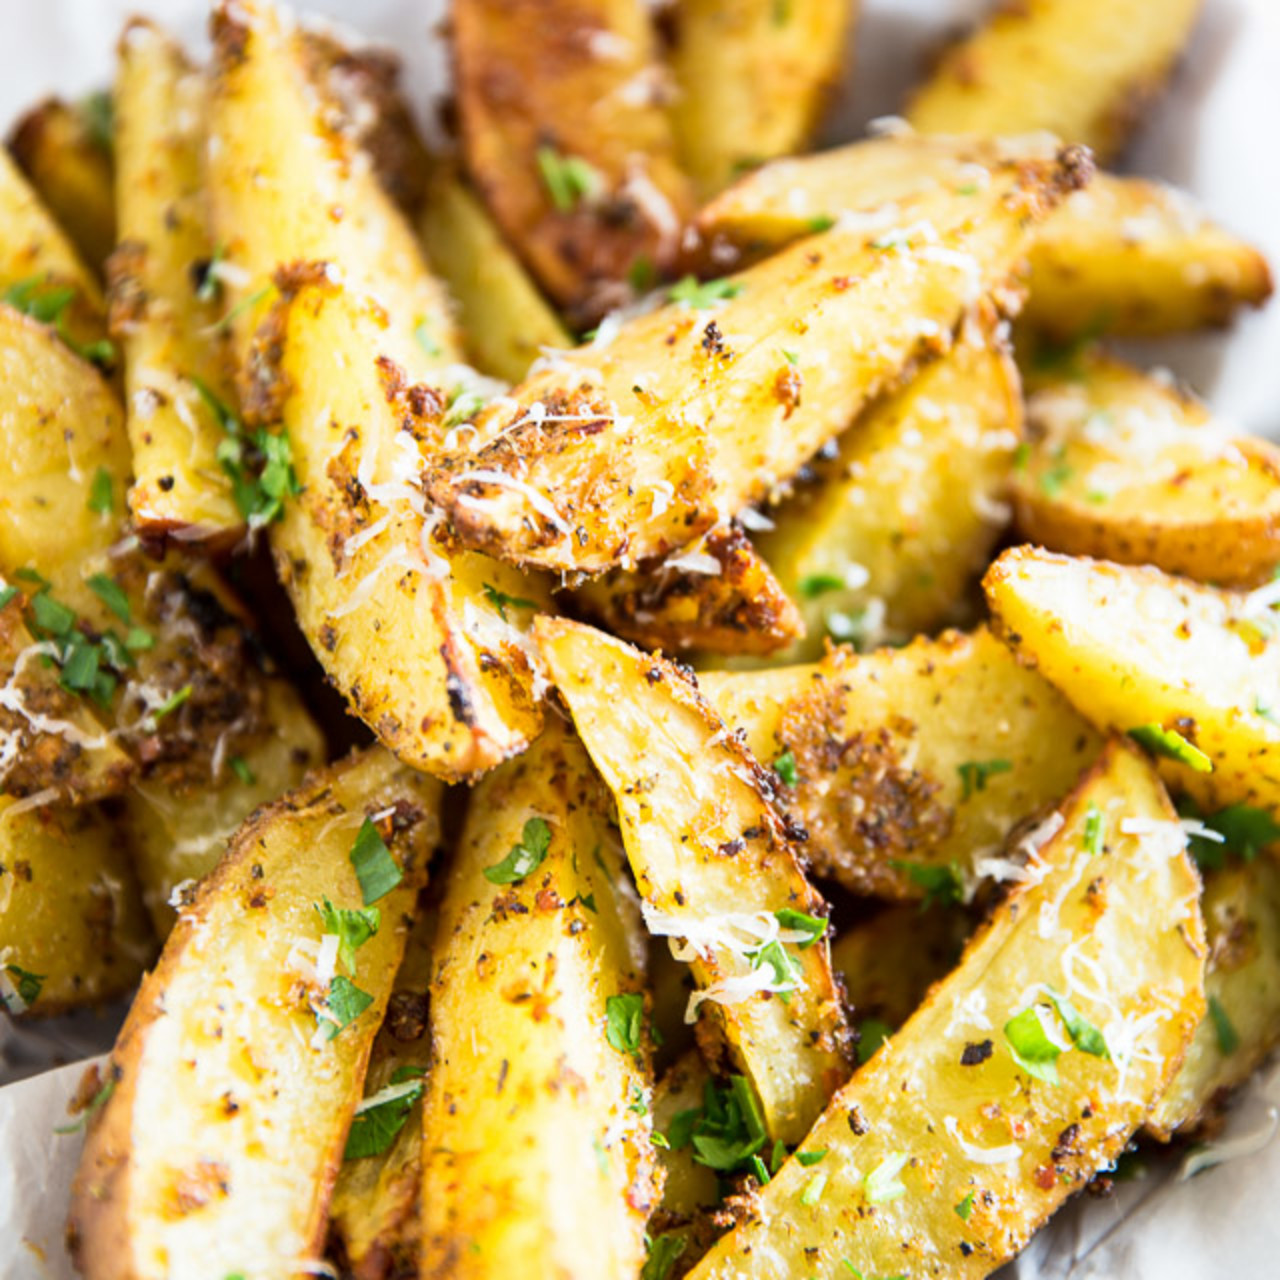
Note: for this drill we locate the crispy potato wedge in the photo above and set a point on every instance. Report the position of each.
(715, 865)
(1195, 670)
(505, 321)
(726, 601)
(944, 1153)
(889, 962)
(752, 79)
(904, 517)
(73, 930)
(374, 1212)
(911, 765)
(540, 1082)
(631, 447)
(42, 274)
(65, 151)
(450, 689)
(1126, 467)
(166, 297)
(1138, 259)
(1023, 69)
(566, 135)
(240, 1065)
(1241, 907)
(1126, 256)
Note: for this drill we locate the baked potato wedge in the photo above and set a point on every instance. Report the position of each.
(1241, 907)
(985, 1112)
(1193, 673)
(909, 767)
(505, 321)
(65, 151)
(565, 132)
(235, 1078)
(1024, 69)
(540, 1086)
(629, 448)
(42, 275)
(165, 298)
(752, 80)
(1127, 467)
(373, 1217)
(1126, 256)
(338, 365)
(73, 930)
(716, 867)
(720, 596)
(894, 528)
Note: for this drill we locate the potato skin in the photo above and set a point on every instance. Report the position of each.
(218, 1046)
(945, 1093)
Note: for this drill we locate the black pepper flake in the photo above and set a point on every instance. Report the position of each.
(713, 341)
(975, 1053)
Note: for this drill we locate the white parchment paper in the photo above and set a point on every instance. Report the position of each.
(1214, 134)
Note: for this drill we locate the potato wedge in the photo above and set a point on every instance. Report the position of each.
(1024, 69)
(505, 321)
(715, 865)
(889, 962)
(65, 151)
(165, 291)
(237, 1072)
(1195, 671)
(566, 135)
(1127, 257)
(41, 273)
(450, 689)
(629, 448)
(1126, 467)
(752, 79)
(944, 1153)
(1138, 259)
(540, 1083)
(1241, 907)
(73, 930)
(726, 601)
(374, 1212)
(911, 766)
(903, 519)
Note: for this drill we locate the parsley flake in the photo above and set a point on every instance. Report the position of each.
(502, 602)
(101, 498)
(380, 1117)
(882, 1184)
(1094, 831)
(664, 1251)
(818, 584)
(343, 1005)
(785, 767)
(813, 1189)
(703, 296)
(624, 1022)
(810, 1158)
(1172, 745)
(1227, 1036)
(525, 856)
(96, 1103)
(787, 970)
(240, 767)
(974, 774)
(872, 1033)
(7, 596)
(941, 885)
(1030, 1046)
(821, 222)
(112, 595)
(964, 1209)
(26, 988)
(352, 926)
(568, 179)
(171, 703)
(375, 868)
(812, 926)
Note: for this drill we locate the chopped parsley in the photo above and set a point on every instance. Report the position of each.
(240, 767)
(110, 593)
(343, 1005)
(422, 336)
(26, 986)
(7, 596)
(801, 922)
(43, 300)
(98, 113)
(524, 857)
(380, 1117)
(1021, 456)
(814, 1188)
(568, 179)
(1055, 478)
(1245, 831)
(624, 1022)
(502, 602)
(790, 357)
(375, 868)
(882, 1184)
(785, 767)
(664, 1251)
(1228, 1037)
(352, 926)
(1095, 828)
(700, 296)
(821, 222)
(259, 463)
(641, 275)
(818, 584)
(941, 884)
(787, 970)
(88, 667)
(95, 1104)
(974, 774)
(171, 704)
(965, 1208)
(1172, 745)
(872, 1033)
(810, 1158)
(101, 498)
(726, 1131)
(1030, 1046)
(1084, 1035)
